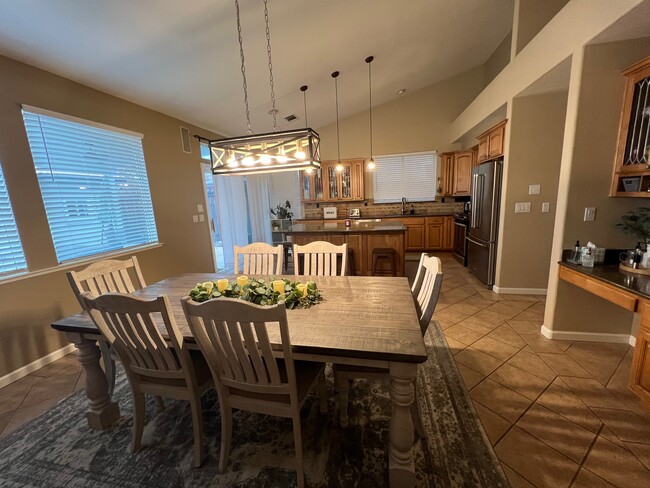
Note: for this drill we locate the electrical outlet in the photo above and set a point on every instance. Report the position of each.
(201, 218)
(546, 206)
(522, 207)
(590, 214)
(533, 189)
(195, 218)
(199, 208)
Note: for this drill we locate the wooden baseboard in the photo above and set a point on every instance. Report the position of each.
(519, 291)
(38, 364)
(566, 335)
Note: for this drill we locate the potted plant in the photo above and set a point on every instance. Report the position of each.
(637, 223)
(281, 212)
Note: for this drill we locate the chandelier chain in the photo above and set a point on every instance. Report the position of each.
(243, 70)
(274, 112)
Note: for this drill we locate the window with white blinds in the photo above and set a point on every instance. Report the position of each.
(410, 175)
(93, 182)
(12, 259)
(286, 186)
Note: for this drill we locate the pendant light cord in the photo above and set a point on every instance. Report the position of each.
(369, 61)
(303, 89)
(335, 75)
(243, 70)
(274, 111)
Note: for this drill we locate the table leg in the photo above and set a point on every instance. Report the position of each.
(401, 464)
(102, 412)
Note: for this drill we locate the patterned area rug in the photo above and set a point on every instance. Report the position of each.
(58, 449)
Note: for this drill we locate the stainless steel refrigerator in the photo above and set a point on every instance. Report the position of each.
(484, 222)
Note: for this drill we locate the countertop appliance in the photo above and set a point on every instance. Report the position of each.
(461, 222)
(484, 221)
(329, 212)
(355, 213)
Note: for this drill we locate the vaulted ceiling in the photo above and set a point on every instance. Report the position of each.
(182, 57)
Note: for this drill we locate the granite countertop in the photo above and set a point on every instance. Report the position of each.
(388, 216)
(613, 275)
(339, 228)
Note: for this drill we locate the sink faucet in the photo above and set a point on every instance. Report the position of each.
(403, 205)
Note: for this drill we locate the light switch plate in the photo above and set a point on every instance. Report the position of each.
(201, 218)
(546, 206)
(199, 208)
(533, 189)
(522, 207)
(590, 214)
(195, 218)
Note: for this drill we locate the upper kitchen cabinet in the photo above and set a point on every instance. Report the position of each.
(462, 172)
(492, 142)
(312, 186)
(346, 184)
(447, 168)
(632, 162)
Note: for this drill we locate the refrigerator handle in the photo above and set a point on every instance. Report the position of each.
(478, 243)
(480, 183)
(475, 202)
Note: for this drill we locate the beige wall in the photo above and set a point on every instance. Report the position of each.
(499, 59)
(534, 153)
(29, 305)
(532, 16)
(417, 121)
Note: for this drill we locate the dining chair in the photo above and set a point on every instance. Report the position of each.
(260, 258)
(426, 298)
(320, 258)
(152, 366)
(109, 275)
(249, 372)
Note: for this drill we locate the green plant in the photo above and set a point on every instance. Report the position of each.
(260, 291)
(282, 211)
(637, 222)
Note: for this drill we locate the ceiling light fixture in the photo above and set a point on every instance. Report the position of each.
(276, 151)
(402, 91)
(335, 75)
(370, 163)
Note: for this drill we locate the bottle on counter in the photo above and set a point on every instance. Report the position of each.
(412, 210)
(588, 258)
(638, 255)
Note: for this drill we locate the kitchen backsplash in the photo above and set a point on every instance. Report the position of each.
(381, 209)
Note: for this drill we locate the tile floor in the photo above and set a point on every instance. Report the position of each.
(557, 413)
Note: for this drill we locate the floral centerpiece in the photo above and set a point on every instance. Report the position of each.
(257, 290)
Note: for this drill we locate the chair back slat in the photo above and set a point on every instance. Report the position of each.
(233, 336)
(129, 324)
(107, 276)
(430, 276)
(320, 258)
(260, 258)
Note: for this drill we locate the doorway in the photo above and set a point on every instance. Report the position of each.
(215, 230)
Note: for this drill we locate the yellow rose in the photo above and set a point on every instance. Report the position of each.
(222, 284)
(208, 285)
(302, 288)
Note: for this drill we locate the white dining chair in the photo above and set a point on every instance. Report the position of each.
(320, 258)
(250, 373)
(426, 298)
(152, 367)
(260, 258)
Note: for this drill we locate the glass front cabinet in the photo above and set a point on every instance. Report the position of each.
(330, 183)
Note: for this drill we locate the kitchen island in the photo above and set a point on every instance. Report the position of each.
(361, 237)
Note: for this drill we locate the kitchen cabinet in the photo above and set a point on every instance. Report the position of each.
(329, 185)
(415, 238)
(462, 173)
(448, 233)
(434, 233)
(640, 374)
(475, 156)
(447, 168)
(632, 162)
(491, 143)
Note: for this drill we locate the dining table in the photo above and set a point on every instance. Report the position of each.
(364, 321)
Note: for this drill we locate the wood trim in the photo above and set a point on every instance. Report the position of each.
(612, 294)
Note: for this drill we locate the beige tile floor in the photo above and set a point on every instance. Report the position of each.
(557, 413)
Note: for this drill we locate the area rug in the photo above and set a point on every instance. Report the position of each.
(59, 450)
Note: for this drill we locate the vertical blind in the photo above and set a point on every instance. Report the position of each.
(94, 185)
(286, 186)
(405, 175)
(12, 258)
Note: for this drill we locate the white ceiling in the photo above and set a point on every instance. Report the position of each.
(182, 57)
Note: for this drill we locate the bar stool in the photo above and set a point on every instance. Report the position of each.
(351, 271)
(384, 253)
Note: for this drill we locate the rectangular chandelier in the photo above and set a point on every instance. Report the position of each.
(273, 152)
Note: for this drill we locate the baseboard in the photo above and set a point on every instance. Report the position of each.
(566, 335)
(38, 364)
(519, 291)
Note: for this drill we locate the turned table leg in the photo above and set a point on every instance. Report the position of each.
(102, 412)
(401, 465)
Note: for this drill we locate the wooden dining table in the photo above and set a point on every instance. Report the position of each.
(363, 321)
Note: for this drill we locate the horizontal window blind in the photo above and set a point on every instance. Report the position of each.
(12, 259)
(94, 186)
(286, 186)
(405, 175)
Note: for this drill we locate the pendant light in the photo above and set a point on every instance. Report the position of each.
(370, 162)
(288, 150)
(335, 75)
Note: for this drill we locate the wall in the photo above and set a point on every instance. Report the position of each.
(587, 170)
(534, 154)
(28, 305)
(499, 59)
(532, 16)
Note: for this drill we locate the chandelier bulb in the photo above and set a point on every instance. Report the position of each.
(309, 171)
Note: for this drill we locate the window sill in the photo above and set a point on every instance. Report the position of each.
(77, 262)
